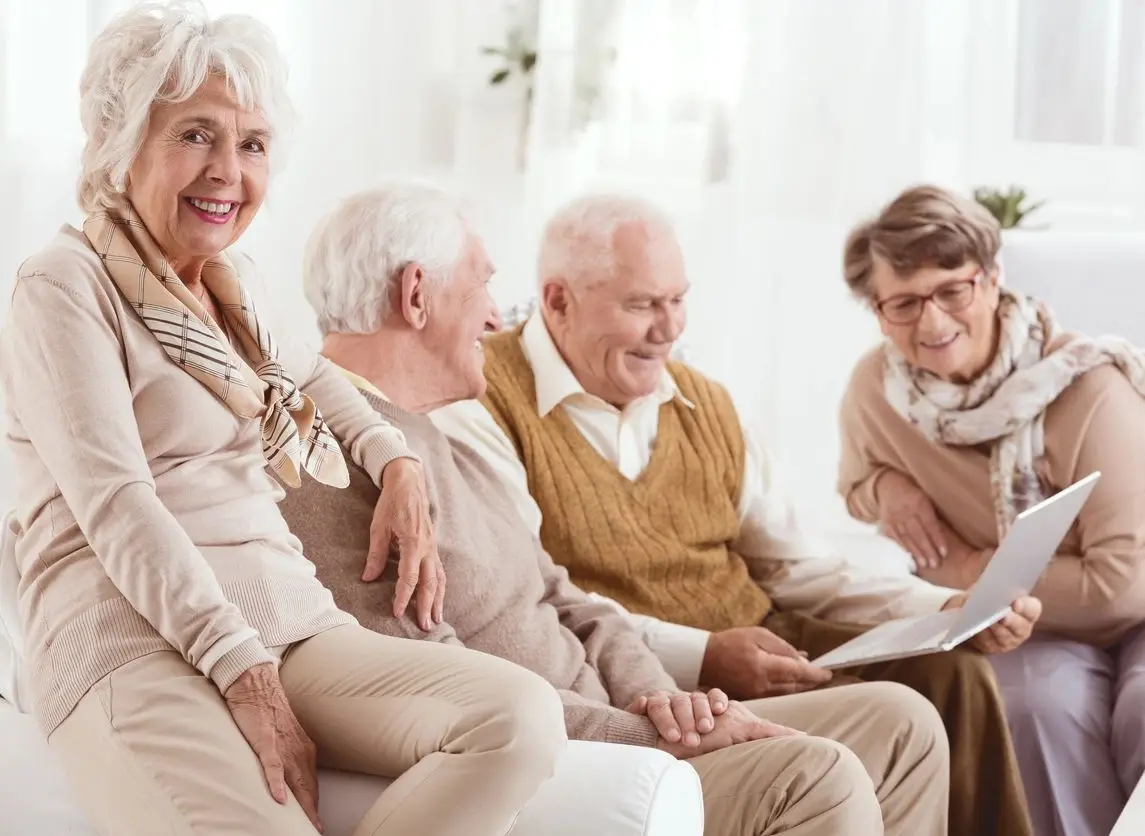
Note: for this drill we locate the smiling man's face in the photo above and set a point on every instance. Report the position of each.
(616, 332)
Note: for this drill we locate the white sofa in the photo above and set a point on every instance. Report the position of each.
(599, 789)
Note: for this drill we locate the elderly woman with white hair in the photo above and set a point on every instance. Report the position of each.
(976, 406)
(184, 658)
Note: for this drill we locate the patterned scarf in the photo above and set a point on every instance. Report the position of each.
(1005, 405)
(293, 431)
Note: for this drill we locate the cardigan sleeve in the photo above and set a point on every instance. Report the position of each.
(64, 377)
(1098, 594)
(859, 471)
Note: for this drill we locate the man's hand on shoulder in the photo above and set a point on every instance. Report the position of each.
(753, 662)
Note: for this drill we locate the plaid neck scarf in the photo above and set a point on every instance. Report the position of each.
(1005, 405)
(293, 431)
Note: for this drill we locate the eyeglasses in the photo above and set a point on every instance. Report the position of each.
(951, 297)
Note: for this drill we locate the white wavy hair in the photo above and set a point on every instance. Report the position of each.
(577, 244)
(356, 253)
(163, 52)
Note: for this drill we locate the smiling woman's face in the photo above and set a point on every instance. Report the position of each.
(200, 175)
(953, 333)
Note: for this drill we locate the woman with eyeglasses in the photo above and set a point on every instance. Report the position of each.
(976, 406)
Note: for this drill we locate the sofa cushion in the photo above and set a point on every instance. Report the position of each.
(12, 669)
(599, 788)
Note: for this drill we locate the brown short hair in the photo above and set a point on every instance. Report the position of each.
(925, 226)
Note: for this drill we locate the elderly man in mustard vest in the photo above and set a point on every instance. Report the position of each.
(641, 479)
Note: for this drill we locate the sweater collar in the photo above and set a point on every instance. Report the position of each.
(556, 382)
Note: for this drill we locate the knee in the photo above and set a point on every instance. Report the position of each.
(526, 723)
(967, 667)
(909, 718)
(838, 778)
(1055, 706)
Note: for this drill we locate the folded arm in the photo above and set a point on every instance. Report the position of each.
(64, 376)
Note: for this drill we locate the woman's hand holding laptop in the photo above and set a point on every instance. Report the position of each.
(1009, 633)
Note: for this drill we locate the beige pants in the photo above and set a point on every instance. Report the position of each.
(875, 761)
(152, 748)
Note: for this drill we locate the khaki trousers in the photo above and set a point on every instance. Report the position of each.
(875, 761)
(986, 793)
(152, 747)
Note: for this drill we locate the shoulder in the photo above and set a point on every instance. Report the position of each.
(864, 390)
(867, 374)
(715, 407)
(67, 264)
(694, 384)
(508, 374)
(504, 355)
(1098, 388)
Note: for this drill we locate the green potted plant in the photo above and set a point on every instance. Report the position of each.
(1008, 207)
(518, 58)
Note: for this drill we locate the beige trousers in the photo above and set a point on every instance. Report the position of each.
(875, 761)
(152, 748)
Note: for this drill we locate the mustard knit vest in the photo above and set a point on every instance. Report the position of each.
(660, 544)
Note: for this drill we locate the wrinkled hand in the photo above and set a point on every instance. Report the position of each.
(260, 709)
(752, 662)
(907, 516)
(736, 725)
(401, 523)
(1009, 633)
(962, 566)
(680, 717)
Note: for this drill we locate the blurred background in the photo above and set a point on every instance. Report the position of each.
(764, 127)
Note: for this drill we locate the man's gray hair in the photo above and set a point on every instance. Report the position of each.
(356, 254)
(163, 52)
(577, 244)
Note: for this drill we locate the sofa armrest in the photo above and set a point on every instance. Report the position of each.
(618, 790)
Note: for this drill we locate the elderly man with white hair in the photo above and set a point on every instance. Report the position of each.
(186, 666)
(398, 272)
(642, 479)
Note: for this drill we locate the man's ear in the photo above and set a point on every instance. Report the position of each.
(556, 298)
(413, 298)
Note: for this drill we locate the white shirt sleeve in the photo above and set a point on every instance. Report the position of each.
(679, 648)
(811, 576)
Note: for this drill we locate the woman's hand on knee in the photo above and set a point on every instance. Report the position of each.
(258, 704)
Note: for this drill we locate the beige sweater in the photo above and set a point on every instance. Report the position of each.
(148, 519)
(1094, 589)
(505, 596)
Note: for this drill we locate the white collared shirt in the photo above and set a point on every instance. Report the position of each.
(814, 580)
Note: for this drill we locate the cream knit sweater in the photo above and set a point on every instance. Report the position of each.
(148, 520)
(504, 597)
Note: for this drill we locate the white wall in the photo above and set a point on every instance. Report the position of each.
(839, 106)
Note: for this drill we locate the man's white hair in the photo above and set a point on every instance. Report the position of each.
(356, 254)
(163, 52)
(577, 244)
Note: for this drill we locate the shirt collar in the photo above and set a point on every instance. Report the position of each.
(556, 382)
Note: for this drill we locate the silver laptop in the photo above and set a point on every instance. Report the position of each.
(1015, 568)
